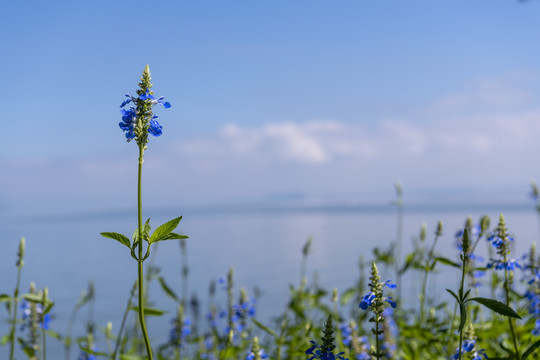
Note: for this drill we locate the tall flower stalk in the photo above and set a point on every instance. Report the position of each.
(15, 299)
(399, 234)
(501, 241)
(375, 300)
(462, 296)
(138, 122)
(428, 267)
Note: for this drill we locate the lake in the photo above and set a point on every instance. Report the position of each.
(263, 243)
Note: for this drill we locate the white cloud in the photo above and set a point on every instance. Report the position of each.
(443, 148)
(318, 143)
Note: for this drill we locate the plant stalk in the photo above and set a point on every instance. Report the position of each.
(140, 257)
(14, 322)
(510, 322)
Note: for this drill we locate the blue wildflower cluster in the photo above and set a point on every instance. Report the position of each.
(533, 296)
(256, 352)
(208, 346)
(350, 338)
(367, 300)
(261, 353)
(180, 331)
(237, 313)
(474, 232)
(375, 301)
(138, 120)
(469, 347)
(34, 319)
(325, 351)
(32, 313)
(316, 351)
(509, 264)
(245, 309)
(501, 241)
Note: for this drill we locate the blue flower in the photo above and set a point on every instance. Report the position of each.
(245, 310)
(475, 231)
(148, 96)
(390, 301)
(27, 310)
(310, 349)
(316, 352)
(388, 314)
(85, 356)
(222, 282)
(509, 265)
(469, 346)
(251, 355)
(127, 101)
(128, 123)
(497, 241)
(367, 300)
(346, 333)
(154, 128)
(536, 330)
(139, 116)
(179, 332)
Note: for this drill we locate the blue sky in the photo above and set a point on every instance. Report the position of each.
(322, 100)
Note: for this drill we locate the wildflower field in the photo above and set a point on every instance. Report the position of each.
(492, 312)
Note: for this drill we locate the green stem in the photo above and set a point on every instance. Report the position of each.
(538, 214)
(429, 265)
(399, 235)
(67, 343)
(123, 323)
(452, 328)
(460, 343)
(140, 257)
(510, 322)
(43, 336)
(465, 257)
(13, 324)
(377, 346)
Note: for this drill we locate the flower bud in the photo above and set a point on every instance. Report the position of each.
(439, 230)
(20, 254)
(423, 230)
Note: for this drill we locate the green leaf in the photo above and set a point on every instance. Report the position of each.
(145, 231)
(447, 261)
(150, 311)
(5, 339)
(92, 352)
(467, 294)
(54, 334)
(512, 354)
(174, 236)
(463, 317)
(496, 306)
(264, 328)
(133, 248)
(408, 262)
(5, 298)
(36, 298)
(118, 237)
(453, 294)
(132, 357)
(531, 350)
(347, 295)
(48, 306)
(164, 230)
(167, 289)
